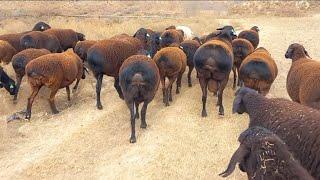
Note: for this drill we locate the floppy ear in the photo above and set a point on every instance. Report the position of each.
(236, 104)
(306, 52)
(1, 86)
(221, 28)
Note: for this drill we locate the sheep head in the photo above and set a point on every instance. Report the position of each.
(238, 106)
(296, 51)
(255, 28)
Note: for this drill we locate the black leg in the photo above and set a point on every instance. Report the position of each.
(137, 110)
(118, 88)
(143, 115)
(189, 76)
(68, 92)
(98, 90)
(204, 85)
(133, 122)
(19, 79)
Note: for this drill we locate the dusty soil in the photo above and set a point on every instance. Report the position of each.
(84, 142)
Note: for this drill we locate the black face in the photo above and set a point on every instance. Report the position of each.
(153, 44)
(289, 52)
(7, 82)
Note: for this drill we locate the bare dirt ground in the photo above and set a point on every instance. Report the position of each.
(84, 142)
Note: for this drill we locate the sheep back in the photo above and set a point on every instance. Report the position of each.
(82, 48)
(251, 36)
(39, 40)
(241, 49)
(68, 38)
(170, 36)
(13, 39)
(189, 47)
(6, 52)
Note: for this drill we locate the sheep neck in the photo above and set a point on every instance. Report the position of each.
(254, 104)
(298, 55)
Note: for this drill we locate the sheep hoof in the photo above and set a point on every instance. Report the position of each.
(221, 113)
(170, 99)
(74, 90)
(190, 85)
(137, 116)
(177, 92)
(143, 126)
(15, 101)
(99, 106)
(166, 104)
(204, 113)
(55, 112)
(133, 140)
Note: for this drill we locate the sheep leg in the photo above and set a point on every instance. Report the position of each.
(234, 77)
(19, 79)
(178, 83)
(76, 86)
(223, 84)
(169, 89)
(163, 83)
(170, 93)
(68, 92)
(143, 115)
(98, 90)
(51, 101)
(189, 75)
(239, 84)
(118, 88)
(204, 84)
(34, 93)
(137, 110)
(133, 122)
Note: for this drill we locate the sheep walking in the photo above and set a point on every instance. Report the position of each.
(6, 52)
(56, 71)
(6, 82)
(68, 38)
(258, 70)
(82, 48)
(20, 61)
(172, 63)
(303, 76)
(213, 61)
(139, 81)
(251, 35)
(171, 36)
(263, 155)
(297, 125)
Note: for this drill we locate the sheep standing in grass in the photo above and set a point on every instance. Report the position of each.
(189, 47)
(106, 57)
(56, 71)
(68, 38)
(41, 26)
(6, 82)
(241, 49)
(303, 77)
(170, 36)
(258, 71)
(263, 155)
(172, 63)
(213, 61)
(251, 35)
(40, 40)
(82, 48)
(6, 52)
(297, 125)
(139, 81)
(20, 61)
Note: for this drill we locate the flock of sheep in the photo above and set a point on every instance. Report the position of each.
(283, 138)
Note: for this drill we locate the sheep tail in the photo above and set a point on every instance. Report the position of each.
(137, 80)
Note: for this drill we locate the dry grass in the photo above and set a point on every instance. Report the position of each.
(82, 142)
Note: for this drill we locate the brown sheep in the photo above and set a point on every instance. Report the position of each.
(214, 34)
(169, 37)
(139, 81)
(68, 38)
(258, 71)
(6, 52)
(150, 39)
(241, 49)
(106, 57)
(213, 61)
(251, 35)
(41, 26)
(82, 48)
(20, 60)
(189, 47)
(172, 62)
(40, 40)
(56, 71)
(303, 76)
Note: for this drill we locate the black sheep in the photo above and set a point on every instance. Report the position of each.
(139, 81)
(7, 82)
(41, 26)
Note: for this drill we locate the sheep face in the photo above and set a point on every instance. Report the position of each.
(153, 43)
(81, 37)
(7, 83)
(229, 29)
(238, 105)
(295, 50)
(255, 28)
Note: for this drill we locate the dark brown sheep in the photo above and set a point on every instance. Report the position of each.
(172, 63)
(40, 40)
(82, 48)
(214, 34)
(41, 26)
(6, 52)
(258, 71)
(189, 47)
(106, 57)
(68, 38)
(251, 35)
(213, 61)
(303, 77)
(169, 37)
(139, 81)
(263, 155)
(20, 61)
(6, 82)
(150, 39)
(56, 71)
(297, 125)
(241, 49)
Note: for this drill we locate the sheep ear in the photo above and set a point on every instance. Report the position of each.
(306, 52)
(219, 28)
(236, 104)
(1, 85)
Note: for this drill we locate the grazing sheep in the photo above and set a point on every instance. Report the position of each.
(7, 82)
(297, 125)
(68, 38)
(241, 49)
(258, 71)
(14, 39)
(303, 77)
(251, 35)
(41, 26)
(139, 81)
(189, 47)
(106, 57)
(172, 62)
(170, 36)
(40, 40)
(56, 71)
(213, 62)
(6, 52)
(263, 155)
(82, 48)
(20, 60)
